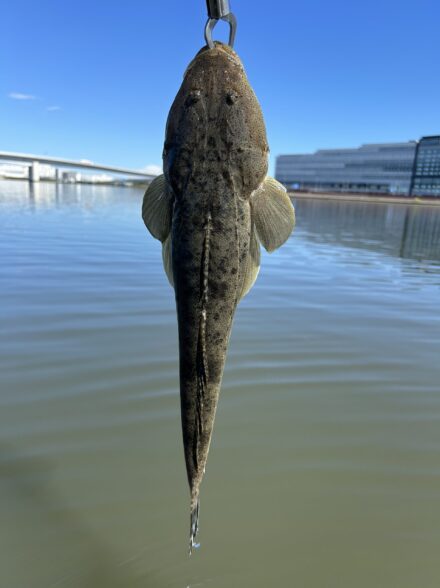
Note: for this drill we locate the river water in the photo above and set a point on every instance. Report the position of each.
(324, 470)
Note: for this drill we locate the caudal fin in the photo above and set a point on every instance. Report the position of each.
(194, 526)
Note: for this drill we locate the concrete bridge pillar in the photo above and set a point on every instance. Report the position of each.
(34, 172)
(57, 175)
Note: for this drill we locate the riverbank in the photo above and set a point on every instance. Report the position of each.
(381, 198)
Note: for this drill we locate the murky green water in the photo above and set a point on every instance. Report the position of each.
(324, 470)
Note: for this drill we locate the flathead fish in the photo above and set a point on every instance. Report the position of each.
(211, 209)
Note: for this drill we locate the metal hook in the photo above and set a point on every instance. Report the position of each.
(219, 10)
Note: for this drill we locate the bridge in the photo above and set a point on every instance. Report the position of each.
(35, 160)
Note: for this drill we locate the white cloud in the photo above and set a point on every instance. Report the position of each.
(19, 96)
(53, 108)
(152, 169)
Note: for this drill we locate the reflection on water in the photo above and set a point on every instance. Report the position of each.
(324, 468)
(410, 231)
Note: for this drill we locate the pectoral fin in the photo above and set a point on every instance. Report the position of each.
(157, 208)
(167, 259)
(272, 213)
(251, 265)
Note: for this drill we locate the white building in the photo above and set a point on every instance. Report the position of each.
(379, 168)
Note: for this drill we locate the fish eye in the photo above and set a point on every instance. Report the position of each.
(231, 97)
(193, 97)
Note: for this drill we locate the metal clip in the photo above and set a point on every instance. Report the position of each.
(219, 10)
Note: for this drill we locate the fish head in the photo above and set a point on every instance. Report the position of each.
(215, 124)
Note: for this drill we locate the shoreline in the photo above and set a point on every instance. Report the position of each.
(117, 184)
(335, 196)
(353, 197)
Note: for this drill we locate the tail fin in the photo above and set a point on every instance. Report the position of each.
(194, 526)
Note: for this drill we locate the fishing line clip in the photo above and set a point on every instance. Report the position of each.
(219, 10)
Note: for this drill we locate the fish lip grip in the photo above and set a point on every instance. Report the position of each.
(219, 10)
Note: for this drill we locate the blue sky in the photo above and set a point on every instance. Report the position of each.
(95, 80)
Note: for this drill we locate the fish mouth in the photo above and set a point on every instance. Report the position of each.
(219, 49)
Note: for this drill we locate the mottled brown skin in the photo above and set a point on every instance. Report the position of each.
(211, 209)
(215, 156)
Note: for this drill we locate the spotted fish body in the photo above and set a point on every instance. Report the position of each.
(211, 209)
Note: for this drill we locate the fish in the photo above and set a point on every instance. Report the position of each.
(212, 208)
